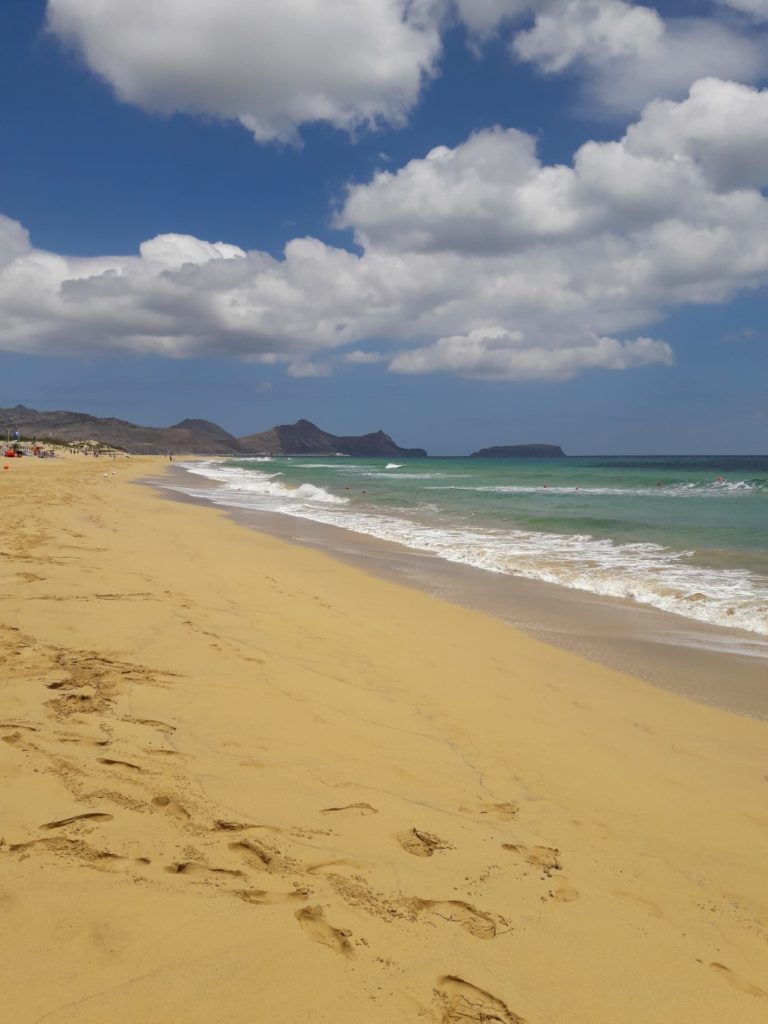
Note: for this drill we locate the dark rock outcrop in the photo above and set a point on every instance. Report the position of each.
(520, 451)
(304, 438)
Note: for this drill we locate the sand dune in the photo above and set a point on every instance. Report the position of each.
(242, 783)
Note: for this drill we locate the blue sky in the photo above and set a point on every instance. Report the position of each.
(502, 290)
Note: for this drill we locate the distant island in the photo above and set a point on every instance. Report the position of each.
(194, 436)
(520, 451)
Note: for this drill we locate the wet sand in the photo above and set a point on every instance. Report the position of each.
(243, 781)
(722, 667)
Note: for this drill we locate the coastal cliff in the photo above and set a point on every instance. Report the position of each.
(304, 438)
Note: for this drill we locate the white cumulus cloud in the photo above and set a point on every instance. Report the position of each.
(699, 163)
(565, 31)
(720, 128)
(624, 53)
(271, 64)
(628, 54)
(274, 65)
(497, 354)
(478, 260)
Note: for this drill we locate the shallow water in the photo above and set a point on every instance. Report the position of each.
(684, 534)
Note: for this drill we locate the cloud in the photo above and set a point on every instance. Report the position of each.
(698, 163)
(758, 9)
(722, 129)
(306, 368)
(271, 64)
(274, 65)
(170, 252)
(359, 358)
(628, 54)
(497, 354)
(484, 17)
(478, 260)
(14, 240)
(567, 31)
(625, 54)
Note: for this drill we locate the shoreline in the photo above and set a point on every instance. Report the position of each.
(698, 661)
(244, 781)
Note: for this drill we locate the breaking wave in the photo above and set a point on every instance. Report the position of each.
(647, 573)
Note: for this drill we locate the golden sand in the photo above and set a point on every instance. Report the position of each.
(243, 783)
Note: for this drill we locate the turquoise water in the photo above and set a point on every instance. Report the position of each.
(686, 534)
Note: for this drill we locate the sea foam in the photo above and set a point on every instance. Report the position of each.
(647, 573)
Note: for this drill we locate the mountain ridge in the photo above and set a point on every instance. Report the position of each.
(194, 436)
(305, 438)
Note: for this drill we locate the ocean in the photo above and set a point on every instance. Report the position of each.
(685, 534)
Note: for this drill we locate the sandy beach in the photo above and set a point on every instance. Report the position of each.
(244, 782)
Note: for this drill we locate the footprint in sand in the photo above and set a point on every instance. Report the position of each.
(738, 982)
(171, 807)
(255, 855)
(81, 851)
(564, 894)
(30, 577)
(201, 872)
(358, 810)
(153, 723)
(333, 867)
(231, 826)
(545, 857)
(312, 920)
(463, 1003)
(117, 860)
(504, 812)
(16, 739)
(421, 844)
(112, 762)
(89, 816)
(83, 741)
(475, 921)
(262, 898)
